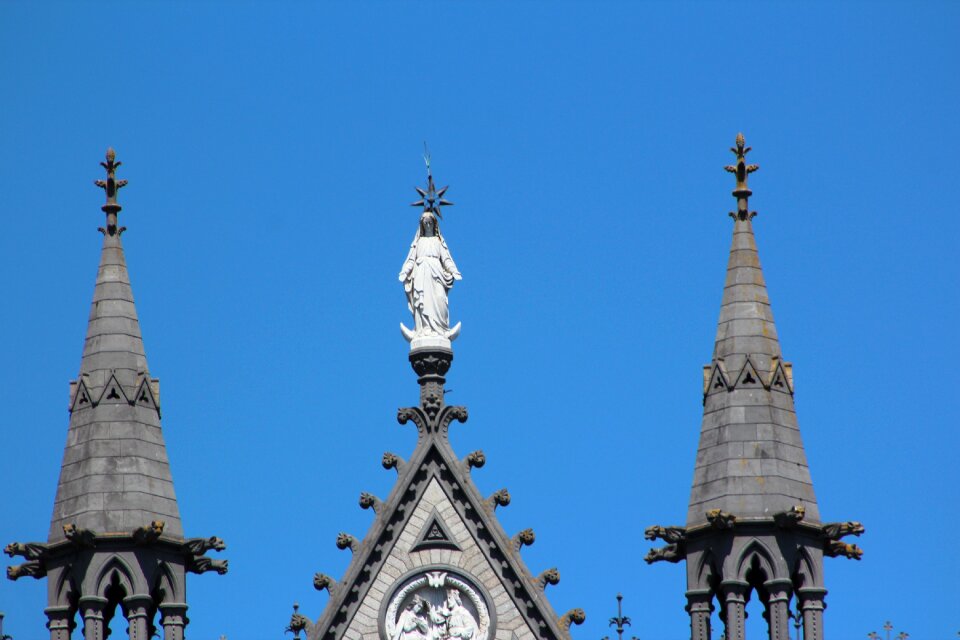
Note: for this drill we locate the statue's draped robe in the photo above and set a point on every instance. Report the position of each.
(430, 274)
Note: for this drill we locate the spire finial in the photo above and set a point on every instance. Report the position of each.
(742, 170)
(431, 199)
(110, 186)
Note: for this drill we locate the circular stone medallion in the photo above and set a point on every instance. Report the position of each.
(437, 605)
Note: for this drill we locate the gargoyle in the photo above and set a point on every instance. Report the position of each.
(550, 576)
(34, 569)
(721, 519)
(322, 581)
(29, 550)
(499, 498)
(574, 616)
(393, 461)
(347, 541)
(524, 538)
(835, 549)
(670, 553)
(199, 546)
(202, 564)
(475, 460)
(82, 538)
(148, 534)
(370, 501)
(837, 530)
(298, 623)
(789, 519)
(672, 535)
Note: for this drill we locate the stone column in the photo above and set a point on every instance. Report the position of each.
(735, 607)
(91, 610)
(699, 606)
(811, 606)
(173, 618)
(778, 608)
(58, 622)
(138, 611)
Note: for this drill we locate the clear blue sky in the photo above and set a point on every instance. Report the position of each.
(272, 152)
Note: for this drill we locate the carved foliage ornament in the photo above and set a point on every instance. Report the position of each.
(437, 605)
(430, 421)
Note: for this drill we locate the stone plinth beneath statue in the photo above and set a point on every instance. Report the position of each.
(430, 343)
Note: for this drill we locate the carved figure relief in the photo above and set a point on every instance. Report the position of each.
(437, 605)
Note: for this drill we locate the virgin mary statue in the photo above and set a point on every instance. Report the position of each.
(427, 275)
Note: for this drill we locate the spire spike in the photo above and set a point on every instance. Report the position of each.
(111, 186)
(741, 170)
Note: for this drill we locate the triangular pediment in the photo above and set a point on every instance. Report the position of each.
(144, 395)
(781, 378)
(749, 378)
(435, 558)
(434, 535)
(113, 392)
(714, 379)
(80, 396)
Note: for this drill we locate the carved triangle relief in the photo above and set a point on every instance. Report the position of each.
(435, 536)
(714, 379)
(144, 396)
(437, 582)
(80, 397)
(749, 376)
(781, 379)
(113, 392)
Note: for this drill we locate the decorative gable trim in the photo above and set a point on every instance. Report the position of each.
(146, 393)
(80, 397)
(715, 378)
(749, 377)
(113, 392)
(781, 379)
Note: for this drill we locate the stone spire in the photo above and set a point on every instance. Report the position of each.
(115, 540)
(751, 459)
(115, 474)
(753, 526)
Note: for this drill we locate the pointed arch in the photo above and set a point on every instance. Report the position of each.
(66, 590)
(755, 554)
(707, 574)
(165, 589)
(808, 572)
(115, 571)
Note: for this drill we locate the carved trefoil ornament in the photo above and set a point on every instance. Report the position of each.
(435, 536)
(437, 605)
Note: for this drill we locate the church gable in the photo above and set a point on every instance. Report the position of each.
(417, 588)
(399, 588)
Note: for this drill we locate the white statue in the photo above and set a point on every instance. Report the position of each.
(427, 275)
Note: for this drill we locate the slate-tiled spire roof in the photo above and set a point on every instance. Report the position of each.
(115, 475)
(750, 461)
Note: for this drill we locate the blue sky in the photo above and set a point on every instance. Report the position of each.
(272, 152)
